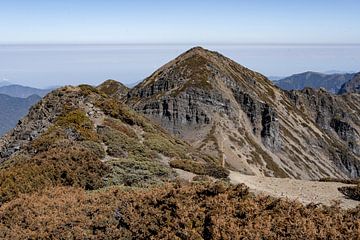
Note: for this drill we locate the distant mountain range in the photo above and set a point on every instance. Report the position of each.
(4, 83)
(352, 86)
(15, 101)
(316, 80)
(12, 109)
(20, 91)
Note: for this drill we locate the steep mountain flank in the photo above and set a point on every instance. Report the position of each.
(330, 82)
(338, 116)
(12, 109)
(231, 112)
(78, 136)
(352, 86)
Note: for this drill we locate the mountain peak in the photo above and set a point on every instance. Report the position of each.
(113, 88)
(197, 50)
(239, 116)
(199, 69)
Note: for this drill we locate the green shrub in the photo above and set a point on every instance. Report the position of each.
(95, 148)
(120, 126)
(77, 121)
(200, 168)
(121, 145)
(132, 172)
(166, 146)
(88, 89)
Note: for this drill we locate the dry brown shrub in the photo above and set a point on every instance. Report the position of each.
(67, 166)
(177, 211)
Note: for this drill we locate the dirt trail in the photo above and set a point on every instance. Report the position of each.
(302, 190)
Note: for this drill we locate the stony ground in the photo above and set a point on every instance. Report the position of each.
(302, 190)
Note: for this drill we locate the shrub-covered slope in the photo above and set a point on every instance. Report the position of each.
(175, 211)
(79, 136)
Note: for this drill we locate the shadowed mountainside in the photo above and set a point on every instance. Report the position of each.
(352, 86)
(12, 109)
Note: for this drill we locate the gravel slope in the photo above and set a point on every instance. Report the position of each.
(301, 190)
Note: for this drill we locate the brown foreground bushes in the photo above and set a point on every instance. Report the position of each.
(175, 211)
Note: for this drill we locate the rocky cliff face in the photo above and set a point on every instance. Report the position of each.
(352, 86)
(337, 115)
(231, 112)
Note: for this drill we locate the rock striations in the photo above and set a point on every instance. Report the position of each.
(239, 116)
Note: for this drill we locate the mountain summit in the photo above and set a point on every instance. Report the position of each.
(238, 115)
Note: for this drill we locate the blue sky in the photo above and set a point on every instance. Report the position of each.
(158, 21)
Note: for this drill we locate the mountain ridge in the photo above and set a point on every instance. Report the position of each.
(21, 91)
(238, 115)
(80, 136)
(352, 86)
(330, 82)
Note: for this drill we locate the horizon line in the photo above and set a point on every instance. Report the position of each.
(182, 43)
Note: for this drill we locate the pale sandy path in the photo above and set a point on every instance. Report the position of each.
(302, 190)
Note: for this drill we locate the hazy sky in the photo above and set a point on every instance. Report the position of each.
(185, 21)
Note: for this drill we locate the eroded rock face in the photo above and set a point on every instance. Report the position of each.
(337, 115)
(40, 117)
(227, 110)
(263, 119)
